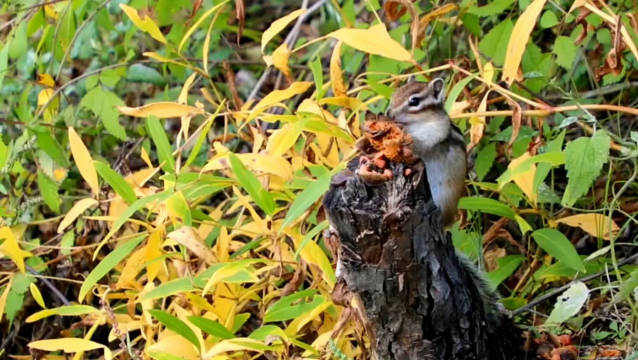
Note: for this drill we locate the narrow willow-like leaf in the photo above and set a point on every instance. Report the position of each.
(211, 327)
(176, 325)
(160, 140)
(116, 182)
(107, 264)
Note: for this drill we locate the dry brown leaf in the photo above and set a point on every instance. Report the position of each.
(188, 237)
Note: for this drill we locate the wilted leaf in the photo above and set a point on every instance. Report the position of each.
(597, 225)
(161, 110)
(336, 75)
(70, 345)
(67, 310)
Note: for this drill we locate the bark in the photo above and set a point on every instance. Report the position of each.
(421, 299)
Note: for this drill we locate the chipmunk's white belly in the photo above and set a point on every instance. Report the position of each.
(446, 171)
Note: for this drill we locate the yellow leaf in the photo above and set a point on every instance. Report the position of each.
(59, 174)
(46, 80)
(147, 24)
(477, 124)
(336, 75)
(525, 180)
(344, 101)
(197, 24)
(37, 295)
(70, 345)
(161, 109)
(277, 26)
(282, 139)
(44, 96)
(597, 225)
(295, 326)
(488, 72)
(313, 254)
(183, 95)
(187, 237)
(175, 345)
(153, 253)
(518, 40)
(11, 248)
(279, 59)
(374, 40)
(146, 158)
(78, 208)
(134, 264)
(278, 96)
(237, 344)
(5, 294)
(83, 161)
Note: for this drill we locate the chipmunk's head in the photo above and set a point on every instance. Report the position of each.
(412, 102)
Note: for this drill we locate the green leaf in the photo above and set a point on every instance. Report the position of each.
(284, 309)
(67, 310)
(565, 51)
(569, 303)
(176, 325)
(548, 19)
(506, 267)
(311, 234)
(484, 160)
(558, 246)
(161, 355)
(160, 140)
(131, 209)
(49, 145)
(251, 184)
(103, 104)
(486, 205)
(4, 60)
(584, 158)
(18, 45)
(492, 8)
(553, 158)
(455, 92)
(66, 27)
(178, 205)
(107, 264)
(166, 289)
(144, 74)
(494, 44)
(629, 287)
(309, 196)
(211, 327)
(116, 182)
(317, 74)
(49, 192)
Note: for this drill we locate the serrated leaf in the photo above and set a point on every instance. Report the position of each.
(558, 246)
(174, 324)
(565, 51)
(107, 264)
(584, 158)
(103, 103)
(116, 181)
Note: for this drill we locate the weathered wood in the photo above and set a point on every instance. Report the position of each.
(421, 299)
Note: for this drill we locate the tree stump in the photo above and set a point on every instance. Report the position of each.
(421, 299)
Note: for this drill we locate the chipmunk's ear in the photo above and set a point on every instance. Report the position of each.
(411, 78)
(437, 89)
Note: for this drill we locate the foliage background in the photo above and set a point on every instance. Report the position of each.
(162, 164)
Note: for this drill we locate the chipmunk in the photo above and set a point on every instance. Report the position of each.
(418, 108)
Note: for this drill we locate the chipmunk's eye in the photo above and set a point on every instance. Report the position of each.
(414, 101)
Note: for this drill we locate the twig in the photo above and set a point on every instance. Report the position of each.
(293, 32)
(75, 36)
(558, 290)
(599, 92)
(51, 287)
